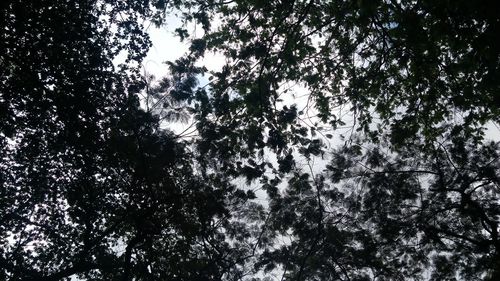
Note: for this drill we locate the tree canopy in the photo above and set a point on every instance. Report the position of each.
(342, 140)
(91, 186)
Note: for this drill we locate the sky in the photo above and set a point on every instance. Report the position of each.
(168, 47)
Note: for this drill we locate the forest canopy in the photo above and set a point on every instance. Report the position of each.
(341, 140)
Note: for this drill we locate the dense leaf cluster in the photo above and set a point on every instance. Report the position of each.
(90, 185)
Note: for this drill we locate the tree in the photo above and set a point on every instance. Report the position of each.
(90, 185)
(418, 80)
(376, 214)
(391, 60)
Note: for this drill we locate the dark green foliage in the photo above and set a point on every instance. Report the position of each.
(412, 63)
(412, 194)
(91, 187)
